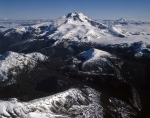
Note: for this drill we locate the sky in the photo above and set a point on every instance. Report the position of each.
(94, 9)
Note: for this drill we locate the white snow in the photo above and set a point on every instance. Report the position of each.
(10, 60)
(36, 56)
(96, 60)
(134, 31)
(79, 29)
(115, 30)
(78, 103)
(94, 54)
(62, 105)
(75, 26)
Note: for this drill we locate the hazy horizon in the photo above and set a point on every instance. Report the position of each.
(53, 9)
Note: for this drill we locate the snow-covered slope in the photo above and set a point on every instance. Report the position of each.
(116, 31)
(72, 103)
(94, 54)
(97, 60)
(11, 60)
(77, 26)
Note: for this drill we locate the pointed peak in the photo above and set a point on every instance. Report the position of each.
(121, 20)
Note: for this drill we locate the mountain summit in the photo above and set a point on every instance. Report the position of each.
(76, 17)
(73, 26)
(121, 20)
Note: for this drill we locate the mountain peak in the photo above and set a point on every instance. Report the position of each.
(76, 17)
(122, 20)
(71, 14)
(74, 12)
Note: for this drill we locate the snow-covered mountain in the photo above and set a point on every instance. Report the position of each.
(72, 103)
(110, 56)
(11, 60)
(121, 20)
(97, 60)
(74, 26)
